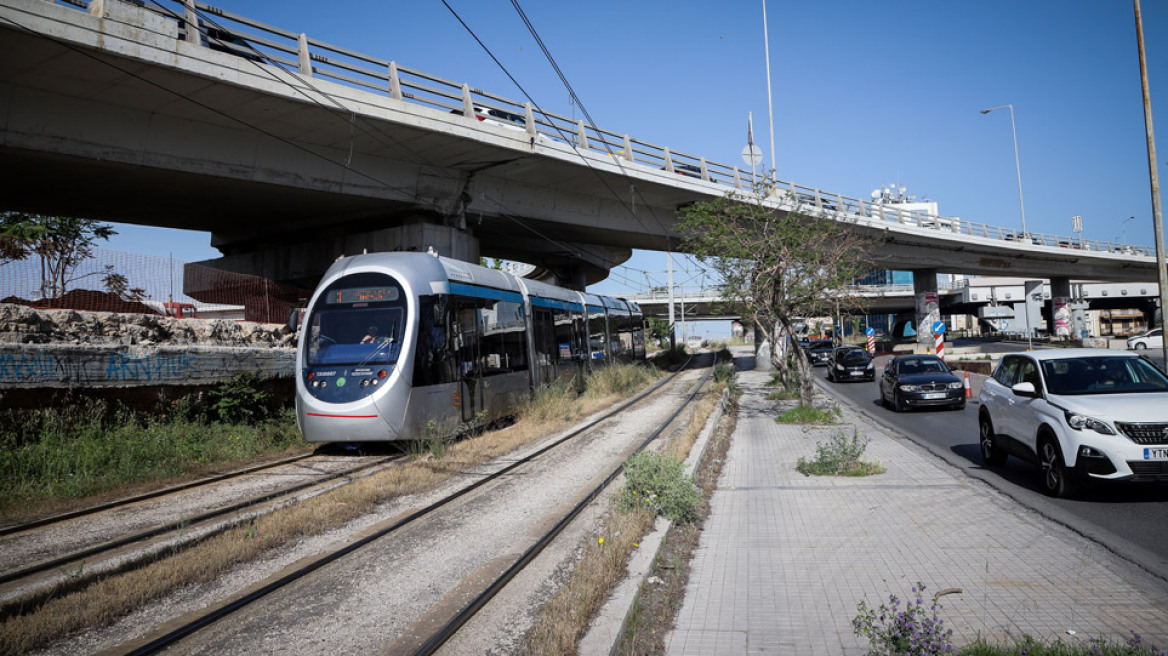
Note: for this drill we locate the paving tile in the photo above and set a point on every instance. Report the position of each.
(785, 559)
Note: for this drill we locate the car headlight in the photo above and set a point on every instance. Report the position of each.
(871, 365)
(910, 388)
(840, 367)
(956, 385)
(1079, 422)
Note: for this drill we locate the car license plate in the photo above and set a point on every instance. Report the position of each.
(856, 373)
(1160, 453)
(933, 395)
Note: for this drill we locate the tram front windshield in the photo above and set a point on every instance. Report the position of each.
(358, 320)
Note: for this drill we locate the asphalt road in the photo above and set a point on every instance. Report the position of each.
(1129, 519)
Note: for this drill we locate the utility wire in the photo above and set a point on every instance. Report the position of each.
(202, 105)
(536, 106)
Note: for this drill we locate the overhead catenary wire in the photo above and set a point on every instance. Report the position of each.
(355, 123)
(126, 71)
(349, 115)
(536, 107)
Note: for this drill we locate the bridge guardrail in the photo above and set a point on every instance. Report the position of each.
(228, 32)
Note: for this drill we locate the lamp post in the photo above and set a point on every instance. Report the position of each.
(1017, 164)
(1123, 229)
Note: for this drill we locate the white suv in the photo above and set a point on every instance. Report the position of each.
(1079, 414)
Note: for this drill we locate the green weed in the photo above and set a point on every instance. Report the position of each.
(659, 482)
(808, 414)
(839, 456)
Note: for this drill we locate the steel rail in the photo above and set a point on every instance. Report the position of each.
(45, 521)
(440, 638)
(173, 636)
(186, 522)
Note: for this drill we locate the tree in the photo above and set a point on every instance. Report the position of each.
(119, 285)
(777, 267)
(657, 330)
(61, 243)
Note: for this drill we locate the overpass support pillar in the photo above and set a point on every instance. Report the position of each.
(928, 307)
(1060, 311)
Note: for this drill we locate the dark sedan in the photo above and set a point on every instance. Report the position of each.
(819, 351)
(912, 381)
(850, 363)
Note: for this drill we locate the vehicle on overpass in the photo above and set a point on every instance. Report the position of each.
(399, 346)
(1080, 415)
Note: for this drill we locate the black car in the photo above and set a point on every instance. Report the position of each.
(912, 381)
(819, 351)
(850, 363)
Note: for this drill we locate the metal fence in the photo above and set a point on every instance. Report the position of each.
(311, 58)
(114, 281)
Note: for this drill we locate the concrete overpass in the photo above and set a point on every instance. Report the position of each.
(291, 151)
(970, 296)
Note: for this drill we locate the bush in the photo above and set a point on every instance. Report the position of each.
(240, 400)
(620, 379)
(659, 482)
(724, 372)
(911, 631)
(552, 403)
(93, 446)
(839, 456)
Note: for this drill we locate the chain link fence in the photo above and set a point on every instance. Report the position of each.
(115, 281)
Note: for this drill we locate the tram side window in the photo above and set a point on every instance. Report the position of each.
(622, 340)
(504, 337)
(467, 338)
(638, 336)
(545, 336)
(597, 336)
(580, 335)
(567, 345)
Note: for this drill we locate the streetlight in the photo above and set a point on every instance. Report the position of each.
(1017, 165)
(1123, 229)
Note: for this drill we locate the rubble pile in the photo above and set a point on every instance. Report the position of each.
(23, 325)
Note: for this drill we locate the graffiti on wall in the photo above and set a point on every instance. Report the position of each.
(111, 366)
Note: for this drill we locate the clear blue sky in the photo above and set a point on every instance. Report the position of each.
(865, 93)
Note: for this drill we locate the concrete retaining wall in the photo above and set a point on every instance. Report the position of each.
(26, 366)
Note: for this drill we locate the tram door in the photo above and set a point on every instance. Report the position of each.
(467, 337)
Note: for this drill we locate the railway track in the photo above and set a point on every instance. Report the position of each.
(154, 494)
(178, 633)
(68, 568)
(448, 630)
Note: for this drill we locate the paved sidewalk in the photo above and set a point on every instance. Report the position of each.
(785, 559)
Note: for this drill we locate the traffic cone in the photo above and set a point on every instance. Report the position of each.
(968, 391)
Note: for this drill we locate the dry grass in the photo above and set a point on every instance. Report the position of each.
(602, 566)
(108, 599)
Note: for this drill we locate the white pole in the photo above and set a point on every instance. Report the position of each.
(669, 265)
(1018, 168)
(770, 105)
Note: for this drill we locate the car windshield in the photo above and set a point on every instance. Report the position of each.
(854, 355)
(914, 366)
(1102, 375)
